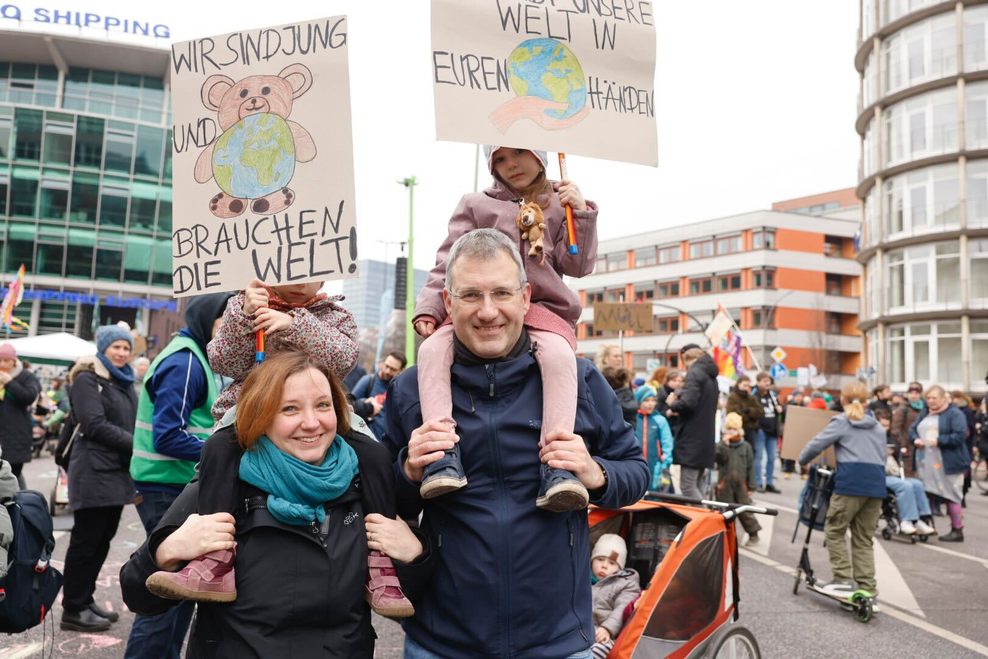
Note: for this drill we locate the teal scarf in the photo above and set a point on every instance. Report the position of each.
(298, 490)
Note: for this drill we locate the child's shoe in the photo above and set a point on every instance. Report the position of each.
(560, 491)
(443, 476)
(384, 592)
(209, 578)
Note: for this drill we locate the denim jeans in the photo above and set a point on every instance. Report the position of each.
(765, 446)
(158, 636)
(910, 497)
(415, 651)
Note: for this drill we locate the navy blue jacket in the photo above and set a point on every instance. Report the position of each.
(953, 432)
(371, 386)
(511, 580)
(859, 447)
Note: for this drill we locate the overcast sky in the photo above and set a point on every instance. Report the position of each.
(755, 103)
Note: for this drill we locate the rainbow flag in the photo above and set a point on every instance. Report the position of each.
(15, 293)
(727, 355)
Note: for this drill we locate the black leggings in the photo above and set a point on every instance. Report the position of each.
(220, 459)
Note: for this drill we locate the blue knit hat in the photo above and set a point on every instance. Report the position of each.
(107, 334)
(641, 393)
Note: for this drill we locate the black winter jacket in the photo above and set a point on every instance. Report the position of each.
(629, 404)
(695, 443)
(15, 415)
(105, 409)
(300, 589)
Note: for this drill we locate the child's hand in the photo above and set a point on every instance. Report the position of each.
(425, 327)
(271, 321)
(570, 194)
(602, 635)
(255, 297)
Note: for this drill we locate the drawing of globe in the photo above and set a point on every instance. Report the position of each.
(549, 70)
(254, 157)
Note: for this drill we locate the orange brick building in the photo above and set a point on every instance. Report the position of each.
(787, 276)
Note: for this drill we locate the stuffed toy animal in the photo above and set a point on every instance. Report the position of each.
(531, 223)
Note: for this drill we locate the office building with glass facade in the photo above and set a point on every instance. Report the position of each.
(85, 179)
(923, 180)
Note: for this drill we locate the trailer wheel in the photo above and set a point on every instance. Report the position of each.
(735, 642)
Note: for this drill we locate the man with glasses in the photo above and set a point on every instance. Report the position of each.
(372, 389)
(512, 578)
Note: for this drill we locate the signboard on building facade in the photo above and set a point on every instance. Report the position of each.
(622, 317)
(263, 158)
(552, 76)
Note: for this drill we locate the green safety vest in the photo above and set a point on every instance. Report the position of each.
(146, 465)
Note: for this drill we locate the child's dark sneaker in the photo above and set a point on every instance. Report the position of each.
(384, 592)
(209, 578)
(443, 476)
(560, 491)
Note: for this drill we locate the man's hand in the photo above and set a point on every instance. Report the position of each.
(918, 443)
(564, 450)
(272, 321)
(427, 445)
(255, 297)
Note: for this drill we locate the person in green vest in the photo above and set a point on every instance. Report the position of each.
(173, 421)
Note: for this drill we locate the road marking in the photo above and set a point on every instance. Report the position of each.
(764, 536)
(951, 552)
(58, 534)
(769, 504)
(895, 590)
(890, 610)
(21, 651)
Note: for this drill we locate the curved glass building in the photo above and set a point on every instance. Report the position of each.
(923, 181)
(85, 173)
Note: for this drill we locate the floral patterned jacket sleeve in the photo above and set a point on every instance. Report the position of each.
(325, 330)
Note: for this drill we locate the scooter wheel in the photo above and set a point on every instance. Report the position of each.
(912, 539)
(863, 609)
(886, 534)
(924, 538)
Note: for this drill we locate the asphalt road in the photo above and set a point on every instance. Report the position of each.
(932, 595)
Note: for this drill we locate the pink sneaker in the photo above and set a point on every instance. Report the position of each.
(384, 592)
(209, 578)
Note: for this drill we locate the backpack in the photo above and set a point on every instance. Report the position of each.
(32, 584)
(66, 438)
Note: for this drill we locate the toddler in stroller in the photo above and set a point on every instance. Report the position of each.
(905, 508)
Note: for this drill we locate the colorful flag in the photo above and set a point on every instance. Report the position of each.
(727, 355)
(13, 297)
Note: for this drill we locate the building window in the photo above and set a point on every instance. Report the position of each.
(701, 285)
(923, 126)
(764, 278)
(669, 253)
(644, 293)
(27, 134)
(978, 254)
(832, 246)
(617, 261)
(832, 284)
(975, 31)
(595, 296)
(763, 238)
(728, 244)
(701, 248)
(645, 256)
(667, 289)
(923, 276)
(763, 318)
(729, 282)
(667, 325)
(926, 352)
(832, 323)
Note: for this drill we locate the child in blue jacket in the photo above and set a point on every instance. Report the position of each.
(655, 435)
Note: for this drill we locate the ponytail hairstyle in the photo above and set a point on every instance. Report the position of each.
(852, 397)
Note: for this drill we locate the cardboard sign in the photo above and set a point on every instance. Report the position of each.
(547, 75)
(262, 172)
(622, 316)
(802, 425)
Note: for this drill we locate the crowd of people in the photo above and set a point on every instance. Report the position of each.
(274, 493)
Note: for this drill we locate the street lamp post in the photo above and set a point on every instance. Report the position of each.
(410, 183)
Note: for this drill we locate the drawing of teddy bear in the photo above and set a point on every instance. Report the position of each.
(253, 159)
(531, 223)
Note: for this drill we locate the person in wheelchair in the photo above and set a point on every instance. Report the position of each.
(906, 495)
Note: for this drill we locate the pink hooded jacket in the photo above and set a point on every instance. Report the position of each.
(496, 208)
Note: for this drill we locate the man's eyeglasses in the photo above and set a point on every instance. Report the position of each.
(474, 297)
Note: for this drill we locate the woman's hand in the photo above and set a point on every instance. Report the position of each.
(570, 194)
(602, 635)
(918, 443)
(198, 535)
(272, 321)
(392, 537)
(255, 297)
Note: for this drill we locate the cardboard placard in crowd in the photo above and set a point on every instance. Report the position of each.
(802, 425)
